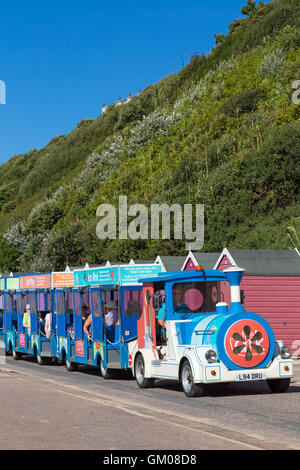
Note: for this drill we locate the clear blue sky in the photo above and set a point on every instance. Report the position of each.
(61, 59)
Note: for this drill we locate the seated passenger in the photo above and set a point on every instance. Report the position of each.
(26, 319)
(111, 317)
(48, 325)
(84, 313)
(84, 317)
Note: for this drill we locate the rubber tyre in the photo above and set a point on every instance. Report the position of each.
(40, 360)
(71, 366)
(187, 381)
(16, 355)
(139, 370)
(278, 385)
(105, 373)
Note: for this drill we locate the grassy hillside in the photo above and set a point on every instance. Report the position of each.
(223, 132)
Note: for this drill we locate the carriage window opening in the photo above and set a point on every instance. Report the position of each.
(195, 297)
(33, 304)
(133, 302)
(48, 302)
(20, 304)
(96, 303)
(60, 303)
(40, 303)
(25, 300)
(85, 299)
(68, 303)
(43, 302)
(9, 304)
(14, 303)
(77, 304)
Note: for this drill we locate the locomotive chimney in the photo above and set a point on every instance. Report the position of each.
(234, 276)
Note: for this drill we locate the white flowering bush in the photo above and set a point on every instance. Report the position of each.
(105, 162)
(185, 104)
(16, 236)
(150, 127)
(226, 64)
(195, 93)
(272, 63)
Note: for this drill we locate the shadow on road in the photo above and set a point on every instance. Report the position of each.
(212, 390)
(225, 390)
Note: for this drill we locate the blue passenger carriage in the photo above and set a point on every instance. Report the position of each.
(27, 298)
(99, 291)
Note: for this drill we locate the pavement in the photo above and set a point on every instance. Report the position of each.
(49, 408)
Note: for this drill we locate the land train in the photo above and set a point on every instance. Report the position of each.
(172, 325)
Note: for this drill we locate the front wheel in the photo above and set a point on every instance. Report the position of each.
(139, 372)
(278, 385)
(106, 373)
(16, 355)
(187, 381)
(71, 366)
(40, 360)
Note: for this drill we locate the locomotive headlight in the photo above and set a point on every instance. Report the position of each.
(211, 356)
(285, 352)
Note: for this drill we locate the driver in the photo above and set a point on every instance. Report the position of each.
(161, 316)
(178, 299)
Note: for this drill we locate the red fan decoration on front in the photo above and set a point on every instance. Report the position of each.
(247, 343)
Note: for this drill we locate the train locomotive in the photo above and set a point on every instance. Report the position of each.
(187, 333)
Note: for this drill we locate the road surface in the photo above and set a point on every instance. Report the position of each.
(47, 407)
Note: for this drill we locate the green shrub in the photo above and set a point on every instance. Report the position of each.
(240, 103)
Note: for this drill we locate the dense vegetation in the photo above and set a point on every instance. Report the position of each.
(223, 132)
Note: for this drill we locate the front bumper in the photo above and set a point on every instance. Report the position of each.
(218, 372)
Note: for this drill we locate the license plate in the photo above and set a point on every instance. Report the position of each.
(248, 376)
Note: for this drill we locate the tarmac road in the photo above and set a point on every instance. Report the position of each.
(47, 407)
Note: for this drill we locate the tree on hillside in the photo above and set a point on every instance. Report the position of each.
(248, 9)
(219, 38)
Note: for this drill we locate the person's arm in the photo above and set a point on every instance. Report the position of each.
(47, 326)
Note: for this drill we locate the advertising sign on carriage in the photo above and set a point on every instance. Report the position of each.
(126, 274)
(132, 274)
(62, 279)
(12, 283)
(35, 281)
(90, 277)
